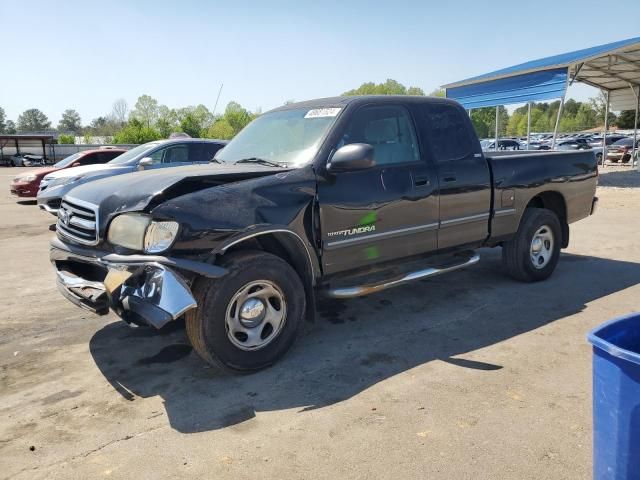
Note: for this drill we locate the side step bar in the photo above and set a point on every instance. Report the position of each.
(360, 290)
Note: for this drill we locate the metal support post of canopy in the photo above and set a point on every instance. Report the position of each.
(606, 127)
(634, 151)
(497, 120)
(528, 124)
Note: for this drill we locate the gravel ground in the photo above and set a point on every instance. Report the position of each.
(466, 376)
(614, 176)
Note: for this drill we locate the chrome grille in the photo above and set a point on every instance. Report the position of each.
(78, 221)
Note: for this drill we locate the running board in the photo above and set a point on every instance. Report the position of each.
(361, 290)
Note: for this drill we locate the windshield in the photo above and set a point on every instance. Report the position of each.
(133, 153)
(290, 138)
(68, 161)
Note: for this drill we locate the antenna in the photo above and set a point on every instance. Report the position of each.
(217, 98)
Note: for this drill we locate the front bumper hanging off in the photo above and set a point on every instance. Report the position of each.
(145, 289)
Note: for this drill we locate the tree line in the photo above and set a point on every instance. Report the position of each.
(148, 120)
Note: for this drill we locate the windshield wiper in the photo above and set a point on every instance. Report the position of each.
(260, 161)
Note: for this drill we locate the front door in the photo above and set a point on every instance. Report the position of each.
(385, 212)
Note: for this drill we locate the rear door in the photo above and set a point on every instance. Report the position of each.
(463, 174)
(385, 212)
(203, 152)
(172, 155)
(98, 157)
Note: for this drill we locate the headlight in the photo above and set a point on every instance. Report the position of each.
(138, 232)
(25, 178)
(64, 180)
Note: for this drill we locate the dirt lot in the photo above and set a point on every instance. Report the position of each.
(466, 376)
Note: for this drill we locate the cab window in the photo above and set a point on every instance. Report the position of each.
(388, 129)
(447, 132)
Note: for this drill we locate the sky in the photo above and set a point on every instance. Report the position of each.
(85, 55)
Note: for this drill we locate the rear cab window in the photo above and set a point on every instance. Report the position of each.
(446, 132)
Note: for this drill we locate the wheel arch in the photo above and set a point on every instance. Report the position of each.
(555, 202)
(289, 246)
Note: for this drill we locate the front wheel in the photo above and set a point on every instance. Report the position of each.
(532, 255)
(599, 158)
(248, 319)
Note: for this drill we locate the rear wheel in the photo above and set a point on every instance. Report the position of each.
(248, 319)
(532, 255)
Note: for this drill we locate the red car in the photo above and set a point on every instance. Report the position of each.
(27, 184)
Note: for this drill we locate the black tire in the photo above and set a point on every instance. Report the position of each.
(516, 253)
(206, 324)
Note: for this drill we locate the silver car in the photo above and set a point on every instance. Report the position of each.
(158, 154)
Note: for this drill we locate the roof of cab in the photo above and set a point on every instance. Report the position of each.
(189, 139)
(341, 102)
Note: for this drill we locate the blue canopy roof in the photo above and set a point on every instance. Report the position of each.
(614, 67)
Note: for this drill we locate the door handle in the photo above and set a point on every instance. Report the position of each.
(449, 177)
(421, 181)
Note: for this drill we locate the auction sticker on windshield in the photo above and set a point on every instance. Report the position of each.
(322, 112)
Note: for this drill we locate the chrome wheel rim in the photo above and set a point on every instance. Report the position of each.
(541, 248)
(255, 315)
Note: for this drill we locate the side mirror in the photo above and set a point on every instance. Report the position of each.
(75, 164)
(145, 162)
(355, 156)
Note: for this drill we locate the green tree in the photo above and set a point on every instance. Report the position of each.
(167, 121)
(3, 119)
(221, 129)
(136, 131)
(585, 117)
(626, 119)
(237, 116)
(540, 121)
(438, 92)
(482, 118)
(190, 125)
(33, 120)
(10, 127)
(194, 121)
(145, 110)
(599, 104)
(234, 119)
(103, 127)
(515, 124)
(389, 87)
(66, 139)
(70, 121)
(484, 121)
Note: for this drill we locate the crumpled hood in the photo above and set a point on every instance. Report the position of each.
(87, 170)
(137, 191)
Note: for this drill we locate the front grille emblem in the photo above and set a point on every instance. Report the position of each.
(64, 216)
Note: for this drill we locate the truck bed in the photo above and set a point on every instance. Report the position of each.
(567, 177)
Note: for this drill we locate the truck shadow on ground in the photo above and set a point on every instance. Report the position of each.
(356, 344)
(621, 179)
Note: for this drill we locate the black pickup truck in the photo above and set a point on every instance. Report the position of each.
(339, 196)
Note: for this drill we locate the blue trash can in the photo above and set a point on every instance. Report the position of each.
(616, 399)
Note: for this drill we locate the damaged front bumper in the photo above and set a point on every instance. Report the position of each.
(140, 289)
